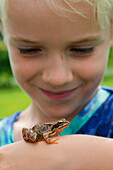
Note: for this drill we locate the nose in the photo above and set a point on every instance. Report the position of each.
(57, 72)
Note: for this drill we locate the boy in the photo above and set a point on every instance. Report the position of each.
(58, 55)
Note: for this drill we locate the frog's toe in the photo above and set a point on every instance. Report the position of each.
(33, 137)
(49, 141)
(24, 132)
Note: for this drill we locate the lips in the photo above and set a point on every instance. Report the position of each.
(58, 95)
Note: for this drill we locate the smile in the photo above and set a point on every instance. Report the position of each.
(58, 95)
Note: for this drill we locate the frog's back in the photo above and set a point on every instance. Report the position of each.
(41, 128)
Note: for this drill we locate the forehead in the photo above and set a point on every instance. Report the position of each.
(81, 7)
(26, 16)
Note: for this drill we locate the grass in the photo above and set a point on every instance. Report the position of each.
(108, 81)
(14, 99)
(2, 45)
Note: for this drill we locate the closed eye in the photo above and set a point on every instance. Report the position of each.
(82, 50)
(29, 51)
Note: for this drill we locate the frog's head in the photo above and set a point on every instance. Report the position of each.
(60, 125)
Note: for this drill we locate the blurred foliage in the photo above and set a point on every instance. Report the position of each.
(1, 37)
(6, 78)
(110, 61)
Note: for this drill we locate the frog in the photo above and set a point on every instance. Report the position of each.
(44, 131)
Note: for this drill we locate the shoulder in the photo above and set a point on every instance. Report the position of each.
(6, 129)
(101, 123)
(104, 116)
(109, 102)
(3, 123)
(7, 121)
(109, 89)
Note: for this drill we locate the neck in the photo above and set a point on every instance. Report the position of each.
(33, 115)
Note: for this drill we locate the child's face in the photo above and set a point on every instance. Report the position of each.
(51, 55)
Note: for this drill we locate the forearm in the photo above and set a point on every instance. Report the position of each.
(39, 156)
(92, 152)
(74, 152)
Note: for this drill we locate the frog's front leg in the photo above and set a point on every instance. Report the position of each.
(47, 138)
(29, 135)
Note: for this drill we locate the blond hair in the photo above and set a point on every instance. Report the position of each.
(102, 8)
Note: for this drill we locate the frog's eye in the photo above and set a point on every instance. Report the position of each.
(60, 123)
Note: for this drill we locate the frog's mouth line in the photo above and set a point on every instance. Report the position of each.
(60, 126)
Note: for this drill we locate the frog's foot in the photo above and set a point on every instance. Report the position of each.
(48, 140)
(29, 135)
(52, 142)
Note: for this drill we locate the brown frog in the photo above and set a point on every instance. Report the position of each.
(43, 131)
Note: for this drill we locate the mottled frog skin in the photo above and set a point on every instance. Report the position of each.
(44, 131)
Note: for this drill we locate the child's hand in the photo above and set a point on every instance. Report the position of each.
(73, 152)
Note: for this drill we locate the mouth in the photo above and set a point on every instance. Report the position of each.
(58, 95)
(65, 125)
(56, 126)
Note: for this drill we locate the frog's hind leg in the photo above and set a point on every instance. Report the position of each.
(48, 140)
(29, 135)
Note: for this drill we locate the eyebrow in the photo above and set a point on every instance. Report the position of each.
(89, 39)
(22, 40)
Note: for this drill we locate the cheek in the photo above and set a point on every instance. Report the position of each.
(92, 67)
(24, 68)
(91, 70)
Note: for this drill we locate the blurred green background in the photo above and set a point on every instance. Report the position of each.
(12, 98)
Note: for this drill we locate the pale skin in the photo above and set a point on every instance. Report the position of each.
(65, 55)
(75, 152)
